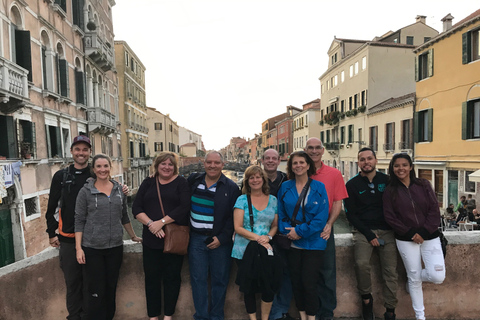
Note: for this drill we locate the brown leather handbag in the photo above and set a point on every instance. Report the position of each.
(176, 236)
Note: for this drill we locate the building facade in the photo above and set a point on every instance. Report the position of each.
(56, 82)
(132, 115)
(305, 124)
(187, 136)
(447, 111)
(163, 132)
(363, 74)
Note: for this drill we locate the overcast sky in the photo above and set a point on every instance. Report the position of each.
(222, 67)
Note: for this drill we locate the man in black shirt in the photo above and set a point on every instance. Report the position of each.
(66, 184)
(281, 302)
(364, 210)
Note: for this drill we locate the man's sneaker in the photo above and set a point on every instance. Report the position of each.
(286, 316)
(367, 310)
(389, 316)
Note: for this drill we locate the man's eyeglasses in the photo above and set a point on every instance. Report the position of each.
(311, 148)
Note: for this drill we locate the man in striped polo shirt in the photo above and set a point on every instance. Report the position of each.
(211, 218)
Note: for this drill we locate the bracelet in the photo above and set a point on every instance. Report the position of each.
(149, 223)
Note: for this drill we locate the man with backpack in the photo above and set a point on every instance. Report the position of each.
(66, 184)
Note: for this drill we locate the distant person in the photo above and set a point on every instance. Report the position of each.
(461, 209)
(211, 220)
(336, 191)
(411, 208)
(283, 298)
(302, 215)
(470, 205)
(159, 266)
(100, 213)
(256, 228)
(364, 210)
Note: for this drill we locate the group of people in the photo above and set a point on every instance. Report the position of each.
(278, 229)
(465, 211)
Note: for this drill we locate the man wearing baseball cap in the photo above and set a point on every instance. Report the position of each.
(66, 184)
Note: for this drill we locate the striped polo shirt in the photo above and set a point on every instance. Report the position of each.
(202, 210)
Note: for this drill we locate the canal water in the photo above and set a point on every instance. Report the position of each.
(341, 225)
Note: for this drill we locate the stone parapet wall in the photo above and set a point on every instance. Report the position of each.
(34, 288)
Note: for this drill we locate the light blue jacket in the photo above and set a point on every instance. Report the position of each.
(316, 214)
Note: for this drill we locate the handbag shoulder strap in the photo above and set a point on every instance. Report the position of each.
(301, 198)
(250, 211)
(159, 196)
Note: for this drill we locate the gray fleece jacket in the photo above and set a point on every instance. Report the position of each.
(99, 217)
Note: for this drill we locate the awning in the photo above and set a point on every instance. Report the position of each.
(474, 176)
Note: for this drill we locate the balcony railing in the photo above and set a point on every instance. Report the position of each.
(332, 145)
(388, 147)
(100, 51)
(101, 120)
(13, 86)
(405, 145)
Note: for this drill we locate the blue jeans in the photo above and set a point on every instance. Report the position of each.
(202, 261)
(281, 302)
(327, 286)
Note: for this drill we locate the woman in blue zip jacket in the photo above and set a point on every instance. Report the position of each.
(305, 255)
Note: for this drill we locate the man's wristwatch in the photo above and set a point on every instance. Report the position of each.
(163, 221)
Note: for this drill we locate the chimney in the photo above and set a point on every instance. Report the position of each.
(421, 19)
(447, 22)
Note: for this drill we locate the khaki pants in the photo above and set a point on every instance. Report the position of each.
(388, 264)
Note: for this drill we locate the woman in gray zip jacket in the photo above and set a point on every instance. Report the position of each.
(100, 212)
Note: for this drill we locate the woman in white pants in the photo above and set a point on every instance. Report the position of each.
(411, 208)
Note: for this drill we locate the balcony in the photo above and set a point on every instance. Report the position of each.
(13, 86)
(101, 120)
(99, 50)
(332, 145)
(389, 147)
(405, 145)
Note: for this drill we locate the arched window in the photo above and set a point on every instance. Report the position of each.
(62, 72)
(21, 51)
(79, 82)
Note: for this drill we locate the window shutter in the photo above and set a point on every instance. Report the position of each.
(466, 47)
(410, 134)
(57, 67)
(7, 129)
(80, 86)
(58, 142)
(464, 120)
(416, 68)
(416, 127)
(64, 86)
(430, 124)
(77, 8)
(34, 140)
(430, 63)
(393, 136)
(23, 51)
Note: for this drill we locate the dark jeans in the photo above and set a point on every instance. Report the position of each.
(203, 262)
(305, 271)
(103, 267)
(327, 285)
(74, 275)
(158, 267)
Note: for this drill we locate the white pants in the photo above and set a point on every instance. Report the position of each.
(430, 251)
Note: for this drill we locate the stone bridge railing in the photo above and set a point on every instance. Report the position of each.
(34, 288)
